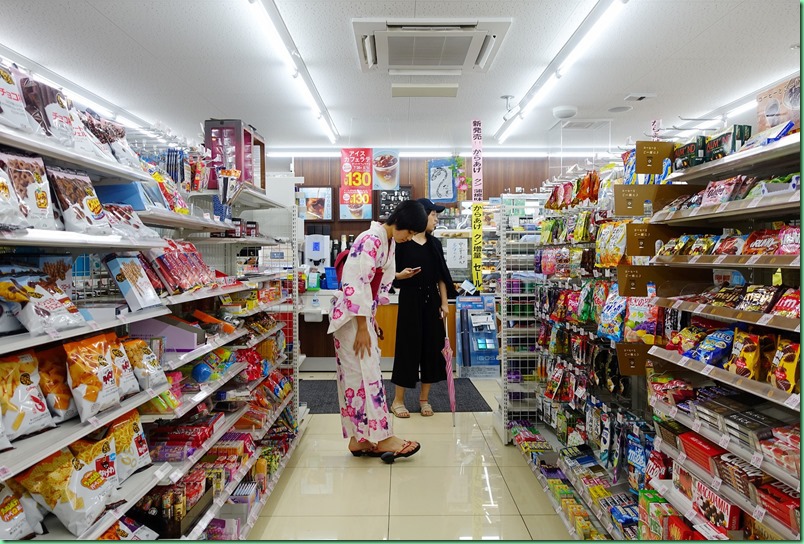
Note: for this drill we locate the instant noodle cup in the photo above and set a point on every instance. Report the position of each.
(23, 405)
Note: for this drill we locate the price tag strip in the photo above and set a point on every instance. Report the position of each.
(793, 401)
(696, 425)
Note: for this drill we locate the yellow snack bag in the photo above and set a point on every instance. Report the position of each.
(147, 367)
(23, 405)
(90, 374)
(123, 371)
(53, 381)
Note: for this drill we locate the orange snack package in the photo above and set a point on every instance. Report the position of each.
(53, 381)
(90, 375)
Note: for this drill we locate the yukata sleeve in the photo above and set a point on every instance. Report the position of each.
(388, 275)
(358, 271)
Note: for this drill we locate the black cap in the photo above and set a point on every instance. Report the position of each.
(429, 206)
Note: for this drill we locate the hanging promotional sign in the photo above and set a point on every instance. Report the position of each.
(356, 183)
(477, 160)
(386, 169)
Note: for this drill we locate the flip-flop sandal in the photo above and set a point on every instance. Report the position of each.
(400, 411)
(389, 457)
(366, 452)
(426, 409)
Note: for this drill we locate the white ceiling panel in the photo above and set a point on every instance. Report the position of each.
(182, 61)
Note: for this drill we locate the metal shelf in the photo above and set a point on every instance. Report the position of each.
(207, 292)
(680, 502)
(777, 158)
(175, 360)
(257, 339)
(731, 495)
(191, 400)
(248, 197)
(26, 340)
(729, 261)
(157, 217)
(177, 470)
(258, 434)
(30, 450)
(762, 390)
(242, 241)
(265, 307)
(52, 150)
(730, 314)
(770, 205)
(65, 239)
(716, 435)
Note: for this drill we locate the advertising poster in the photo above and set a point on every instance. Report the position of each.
(386, 169)
(316, 203)
(441, 180)
(356, 183)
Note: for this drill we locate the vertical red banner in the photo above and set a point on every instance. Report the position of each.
(356, 183)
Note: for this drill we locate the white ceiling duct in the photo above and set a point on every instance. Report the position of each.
(429, 46)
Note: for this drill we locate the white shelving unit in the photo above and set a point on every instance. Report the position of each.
(169, 219)
(174, 360)
(75, 240)
(264, 336)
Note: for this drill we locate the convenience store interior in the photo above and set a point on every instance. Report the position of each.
(561, 88)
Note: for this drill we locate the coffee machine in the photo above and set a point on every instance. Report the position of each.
(317, 252)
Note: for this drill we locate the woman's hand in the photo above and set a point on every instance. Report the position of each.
(362, 343)
(379, 332)
(443, 311)
(407, 273)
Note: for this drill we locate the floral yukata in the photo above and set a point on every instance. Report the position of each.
(364, 410)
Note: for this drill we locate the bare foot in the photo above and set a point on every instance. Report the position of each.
(392, 443)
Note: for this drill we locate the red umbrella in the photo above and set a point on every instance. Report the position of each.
(447, 352)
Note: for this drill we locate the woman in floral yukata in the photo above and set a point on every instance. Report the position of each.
(367, 276)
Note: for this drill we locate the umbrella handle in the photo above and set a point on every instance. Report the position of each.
(446, 327)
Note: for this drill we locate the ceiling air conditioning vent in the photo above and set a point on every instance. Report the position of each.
(579, 124)
(639, 97)
(428, 46)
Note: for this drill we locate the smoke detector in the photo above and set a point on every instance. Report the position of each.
(564, 112)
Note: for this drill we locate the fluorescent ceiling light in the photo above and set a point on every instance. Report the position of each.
(591, 36)
(507, 132)
(43, 79)
(305, 154)
(277, 44)
(742, 109)
(327, 129)
(126, 122)
(434, 72)
(368, 49)
(100, 110)
(709, 124)
(543, 90)
(426, 154)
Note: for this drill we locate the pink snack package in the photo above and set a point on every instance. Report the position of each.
(789, 241)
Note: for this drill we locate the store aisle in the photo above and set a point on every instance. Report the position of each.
(463, 484)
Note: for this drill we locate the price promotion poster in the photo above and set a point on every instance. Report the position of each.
(356, 184)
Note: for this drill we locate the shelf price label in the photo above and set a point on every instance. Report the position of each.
(716, 483)
(756, 459)
(724, 441)
(696, 425)
(759, 513)
(5, 472)
(793, 401)
(682, 457)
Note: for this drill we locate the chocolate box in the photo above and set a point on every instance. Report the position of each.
(669, 431)
(700, 450)
(755, 530)
(754, 426)
(781, 501)
(739, 474)
(689, 154)
(719, 512)
(682, 480)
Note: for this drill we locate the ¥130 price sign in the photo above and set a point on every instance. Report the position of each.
(356, 183)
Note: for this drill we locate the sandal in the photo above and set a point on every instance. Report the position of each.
(400, 411)
(371, 451)
(408, 448)
(426, 408)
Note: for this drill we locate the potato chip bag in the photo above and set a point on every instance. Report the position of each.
(714, 349)
(71, 489)
(13, 522)
(53, 381)
(123, 372)
(745, 356)
(130, 444)
(34, 512)
(23, 405)
(145, 363)
(90, 374)
(101, 453)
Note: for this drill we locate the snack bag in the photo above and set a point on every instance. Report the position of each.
(125, 220)
(130, 444)
(4, 441)
(718, 192)
(745, 356)
(39, 304)
(34, 512)
(127, 529)
(762, 242)
(759, 298)
(784, 371)
(728, 297)
(600, 294)
(90, 374)
(686, 339)
(71, 489)
(81, 209)
(30, 183)
(147, 367)
(704, 244)
(123, 372)
(49, 108)
(12, 104)
(714, 349)
(789, 241)
(641, 320)
(12, 214)
(14, 524)
(616, 244)
(730, 245)
(53, 376)
(611, 318)
(23, 405)
(85, 142)
(100, 453)
(789, 304)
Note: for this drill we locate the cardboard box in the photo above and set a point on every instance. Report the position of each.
(700, 451)
(179, 335)
(629, 200)
(132, 281)
(779, 105)
(781, 501)
(689, 154)
(134, 193)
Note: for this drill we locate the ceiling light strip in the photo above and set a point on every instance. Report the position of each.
(279, 28)
(604, 12)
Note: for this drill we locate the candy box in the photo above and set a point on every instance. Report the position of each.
(739, 474)
(658, 515)
(755, 530)
(781, 501)
(781, 454)
(689, 154)
(132, 281)
(646, 498)
(790, 434)
(700, 450)
(722, 514)
(682, 479)
(677, 529)
(669, 431)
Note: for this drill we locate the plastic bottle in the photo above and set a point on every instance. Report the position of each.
(648, 208)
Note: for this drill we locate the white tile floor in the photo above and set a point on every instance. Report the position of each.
(464, 484)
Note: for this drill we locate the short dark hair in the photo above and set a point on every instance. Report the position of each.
(408, 215)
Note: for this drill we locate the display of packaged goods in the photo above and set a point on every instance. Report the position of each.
(719, 512)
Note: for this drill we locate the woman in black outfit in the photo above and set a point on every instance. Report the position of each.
(425, 286)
